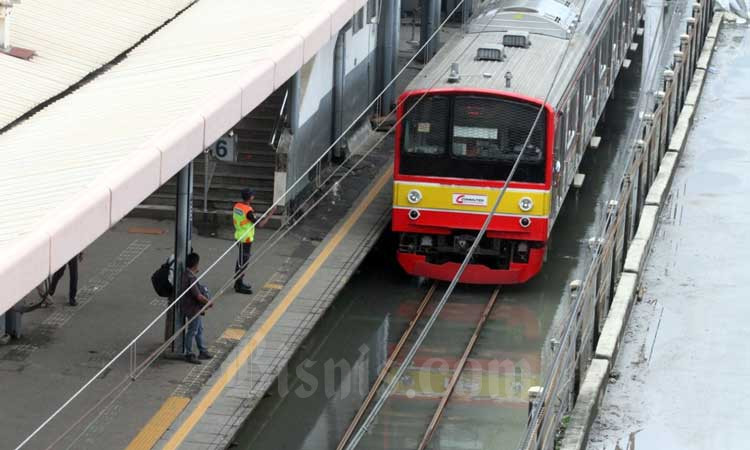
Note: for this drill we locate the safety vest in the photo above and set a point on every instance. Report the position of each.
(242, 226)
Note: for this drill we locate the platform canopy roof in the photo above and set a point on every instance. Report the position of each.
(71, 39)
(76, 167)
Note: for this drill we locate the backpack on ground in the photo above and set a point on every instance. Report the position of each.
(160, 280)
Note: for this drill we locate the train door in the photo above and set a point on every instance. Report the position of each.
(574, 127)
(582, 119)
(613, 38)
(606, 46)
(626, 27)
(558, 175)
(588, 109)
(571, 163)
(598, 73)
(619, 33)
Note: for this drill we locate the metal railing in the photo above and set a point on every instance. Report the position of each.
(279, 123)
(591, 297)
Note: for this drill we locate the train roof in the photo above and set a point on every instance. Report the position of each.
(549, 25)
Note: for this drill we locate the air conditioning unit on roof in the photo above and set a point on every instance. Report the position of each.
(491, 52)
(517, 39)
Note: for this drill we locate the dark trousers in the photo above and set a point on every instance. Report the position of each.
(243, 257)
(73, 290)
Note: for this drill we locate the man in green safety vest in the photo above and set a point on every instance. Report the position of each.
(244, 233)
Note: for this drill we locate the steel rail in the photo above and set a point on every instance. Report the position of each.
(387, 367)
(458, 371)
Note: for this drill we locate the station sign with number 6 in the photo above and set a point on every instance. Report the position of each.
(223, 149)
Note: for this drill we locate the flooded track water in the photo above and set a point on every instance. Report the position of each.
(314, 401)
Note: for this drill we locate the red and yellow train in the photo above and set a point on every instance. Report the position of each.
(465, 118)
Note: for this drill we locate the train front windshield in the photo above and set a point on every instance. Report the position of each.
(471, 136)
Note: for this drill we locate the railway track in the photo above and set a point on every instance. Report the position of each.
(398, 350)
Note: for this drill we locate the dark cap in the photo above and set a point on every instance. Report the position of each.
(247, 193)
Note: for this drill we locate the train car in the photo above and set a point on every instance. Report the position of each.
(466, 116)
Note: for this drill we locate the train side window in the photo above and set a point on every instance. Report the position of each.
(589, 83)
(618, 34)
(559, 133)
(358, 21)
(607, 46)
(603, 65)
(560, 143)
(613, 40)
(625, 20)
(581, 102)
(572, 117)
(596, 87)
(372, 11)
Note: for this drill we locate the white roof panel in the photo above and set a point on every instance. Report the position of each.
(76, 167)
(72, 39)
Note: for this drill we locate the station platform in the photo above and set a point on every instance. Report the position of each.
(679, 380)
(225, 401)
(250, 336)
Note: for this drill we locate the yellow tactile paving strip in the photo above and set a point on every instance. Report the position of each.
(150, 434)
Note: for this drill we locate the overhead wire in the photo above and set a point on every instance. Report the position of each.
(143, 366)
(469, 255)
(603, 226)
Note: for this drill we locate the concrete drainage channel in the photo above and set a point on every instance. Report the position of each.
(602, 301)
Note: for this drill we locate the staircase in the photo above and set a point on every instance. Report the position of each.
(254, 169)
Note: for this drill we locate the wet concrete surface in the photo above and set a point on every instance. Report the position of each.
(62, 347)
(311, 407)
(680, 377)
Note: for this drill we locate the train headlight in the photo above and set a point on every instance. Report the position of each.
(525, 204)
(414, 196)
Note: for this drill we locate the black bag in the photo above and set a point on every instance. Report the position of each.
(160, 280)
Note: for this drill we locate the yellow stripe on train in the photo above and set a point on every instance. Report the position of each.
(469, 198)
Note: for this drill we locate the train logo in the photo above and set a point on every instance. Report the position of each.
(469, 200)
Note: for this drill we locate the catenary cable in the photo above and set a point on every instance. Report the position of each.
(230, 248)
(439, 307)
(317, 202)
(221, 257)
(597, 254)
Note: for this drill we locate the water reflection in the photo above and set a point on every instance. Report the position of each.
(313, 402)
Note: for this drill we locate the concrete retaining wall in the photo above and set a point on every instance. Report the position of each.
(587, 404)
(614, 326)
(659, 189)
(595, 381)
(641, 242)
